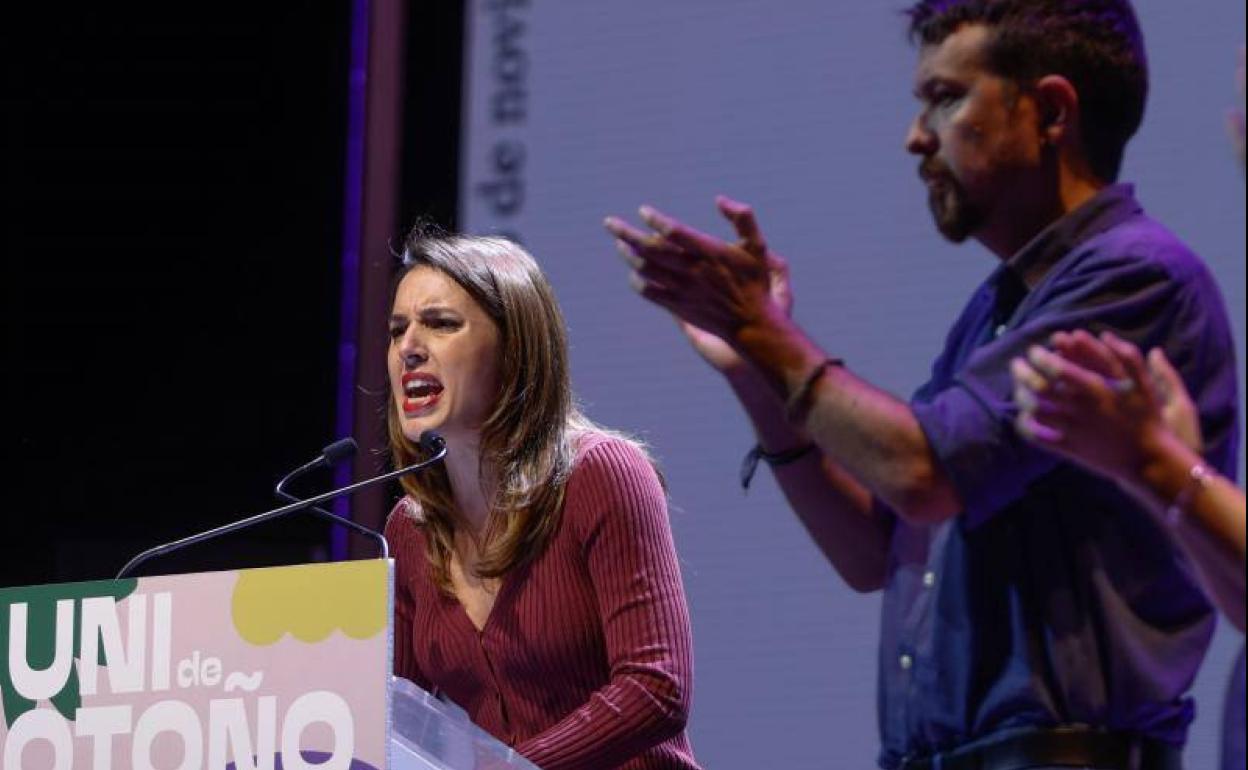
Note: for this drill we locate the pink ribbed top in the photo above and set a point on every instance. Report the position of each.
(585, 661)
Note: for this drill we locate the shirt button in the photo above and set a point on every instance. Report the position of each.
(905, 661)
(999, 330)
(929, 579)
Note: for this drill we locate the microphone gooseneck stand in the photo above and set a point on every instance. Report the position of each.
(434, 444)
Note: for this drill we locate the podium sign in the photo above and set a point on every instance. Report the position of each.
(264, 669)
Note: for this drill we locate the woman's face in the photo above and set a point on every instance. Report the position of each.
(443, 358)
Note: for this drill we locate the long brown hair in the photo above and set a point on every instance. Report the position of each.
(530, 435)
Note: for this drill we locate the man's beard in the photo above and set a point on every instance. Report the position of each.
(955, 215)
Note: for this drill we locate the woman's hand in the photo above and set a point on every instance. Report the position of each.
(1098, 402)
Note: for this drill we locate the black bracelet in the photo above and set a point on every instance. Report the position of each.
(774, 459)
(798, 403)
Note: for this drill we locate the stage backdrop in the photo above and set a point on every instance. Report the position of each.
(577, 110)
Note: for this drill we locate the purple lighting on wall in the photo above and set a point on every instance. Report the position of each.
(352, 227)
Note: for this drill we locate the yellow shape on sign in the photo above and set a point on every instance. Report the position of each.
(311, 601)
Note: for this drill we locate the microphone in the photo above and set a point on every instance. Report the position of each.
(331, 455)
(429, 441)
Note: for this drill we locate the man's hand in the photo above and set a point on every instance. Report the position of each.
(712, 288)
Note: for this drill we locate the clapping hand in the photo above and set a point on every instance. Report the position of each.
(713, 288)
(1099, 402)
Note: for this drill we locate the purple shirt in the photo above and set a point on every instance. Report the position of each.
(1053, 598)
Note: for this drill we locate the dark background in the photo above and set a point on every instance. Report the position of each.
(173, 186)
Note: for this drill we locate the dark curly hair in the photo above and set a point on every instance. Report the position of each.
(1095, 44)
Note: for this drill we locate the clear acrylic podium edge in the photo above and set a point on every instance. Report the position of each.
(430, 734)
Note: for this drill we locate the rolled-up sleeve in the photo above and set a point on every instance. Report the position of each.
(970, 423)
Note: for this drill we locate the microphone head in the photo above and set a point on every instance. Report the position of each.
(339, 450)
(432, 442)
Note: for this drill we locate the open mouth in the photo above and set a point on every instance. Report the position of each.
(420, 392)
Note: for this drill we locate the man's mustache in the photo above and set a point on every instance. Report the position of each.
(931, 169)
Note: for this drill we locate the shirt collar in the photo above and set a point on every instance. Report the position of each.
(1109, 207)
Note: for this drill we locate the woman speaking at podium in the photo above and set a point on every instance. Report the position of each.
(536, 581)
